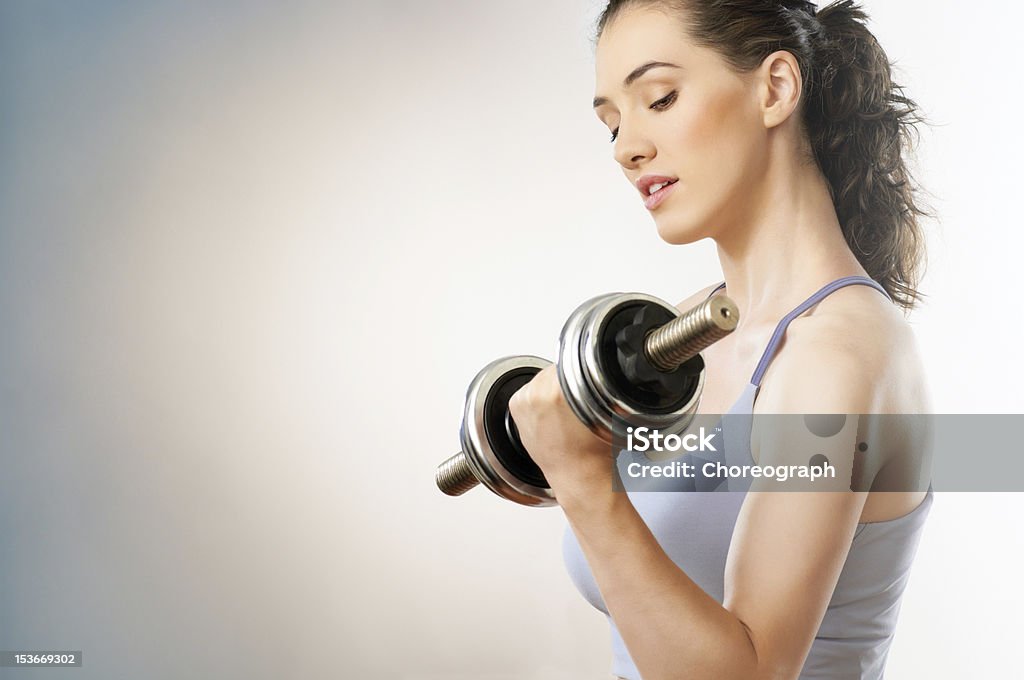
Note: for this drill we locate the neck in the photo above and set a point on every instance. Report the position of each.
(787, 245)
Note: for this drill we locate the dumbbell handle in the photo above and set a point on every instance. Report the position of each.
(667, 348)
(454, 476)
(686, 336)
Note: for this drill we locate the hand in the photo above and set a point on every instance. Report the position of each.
(571, 457)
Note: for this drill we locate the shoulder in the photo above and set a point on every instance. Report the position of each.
(854, 352)
(697, 298)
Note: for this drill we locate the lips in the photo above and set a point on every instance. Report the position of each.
(654, 200)
(645, 183)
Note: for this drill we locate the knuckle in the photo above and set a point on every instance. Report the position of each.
(518, 400)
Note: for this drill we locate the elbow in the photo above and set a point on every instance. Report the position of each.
(733, 659)
(760, 665)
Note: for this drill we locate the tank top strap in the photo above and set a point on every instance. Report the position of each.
(817, 297)
(717, 288)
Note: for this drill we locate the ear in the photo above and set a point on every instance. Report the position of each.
(780, 87)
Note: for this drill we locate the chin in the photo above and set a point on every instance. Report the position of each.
(677, 233)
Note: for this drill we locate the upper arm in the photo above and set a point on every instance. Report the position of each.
(788, 548)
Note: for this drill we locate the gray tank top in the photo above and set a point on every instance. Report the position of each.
(695, 530)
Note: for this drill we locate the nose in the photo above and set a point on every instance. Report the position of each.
(632, 147)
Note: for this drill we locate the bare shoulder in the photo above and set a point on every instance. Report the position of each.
(863, 336)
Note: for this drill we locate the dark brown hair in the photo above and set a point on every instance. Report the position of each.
(858, 121)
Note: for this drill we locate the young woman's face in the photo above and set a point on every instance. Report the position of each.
(697, 121)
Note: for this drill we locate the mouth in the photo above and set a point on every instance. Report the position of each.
(662, 190)
(655, 188)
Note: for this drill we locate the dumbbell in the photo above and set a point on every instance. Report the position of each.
(624, 360)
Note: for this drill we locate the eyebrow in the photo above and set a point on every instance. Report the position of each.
(632, 77)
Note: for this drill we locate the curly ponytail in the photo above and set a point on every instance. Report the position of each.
(858, 121)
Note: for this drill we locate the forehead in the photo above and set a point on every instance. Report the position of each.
(637, 35)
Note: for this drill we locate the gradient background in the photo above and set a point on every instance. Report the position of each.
(251, 255)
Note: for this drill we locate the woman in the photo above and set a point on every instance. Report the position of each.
(779, 133)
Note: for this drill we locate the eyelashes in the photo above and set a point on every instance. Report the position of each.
(659, 105)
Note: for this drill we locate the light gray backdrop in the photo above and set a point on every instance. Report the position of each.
(251, 255)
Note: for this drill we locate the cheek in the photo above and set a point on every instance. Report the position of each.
(718, 141)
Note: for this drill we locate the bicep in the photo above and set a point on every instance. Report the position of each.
(787, 552)
(790, 543)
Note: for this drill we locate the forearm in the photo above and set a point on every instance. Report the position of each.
(671, 627)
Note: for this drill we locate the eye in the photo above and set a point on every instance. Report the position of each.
(665, 101)
(659, 105)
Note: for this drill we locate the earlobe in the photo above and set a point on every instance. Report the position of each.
(782, 87)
